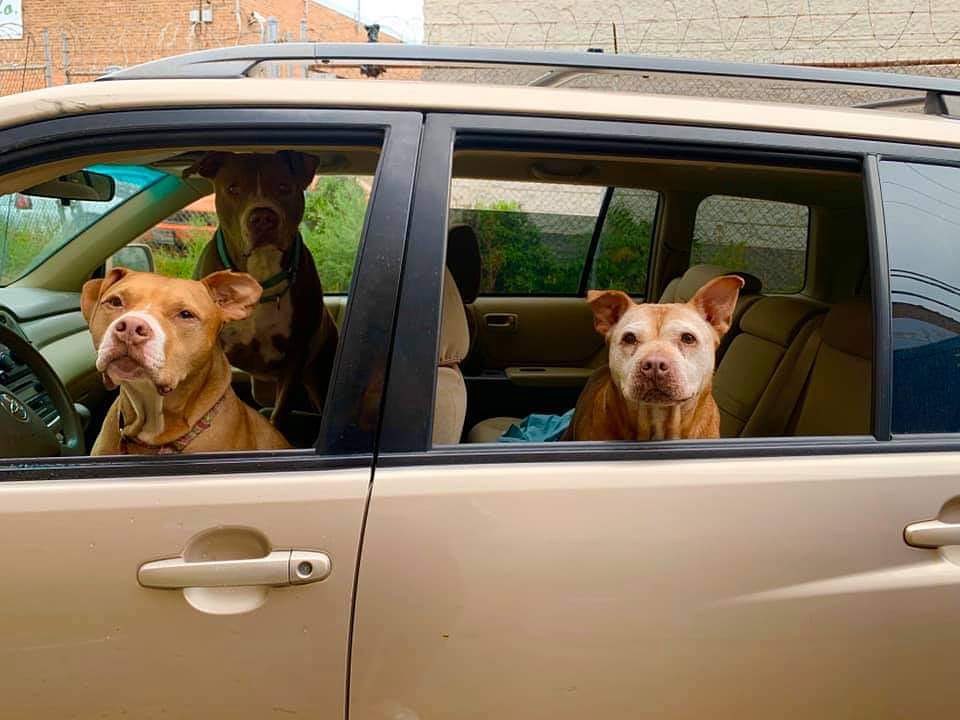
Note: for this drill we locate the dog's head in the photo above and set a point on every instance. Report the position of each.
(259, 196)
(664, 354)
(160, 329)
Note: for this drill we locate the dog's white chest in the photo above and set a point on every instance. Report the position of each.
(264, 333)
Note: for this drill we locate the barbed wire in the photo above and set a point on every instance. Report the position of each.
(754, 31)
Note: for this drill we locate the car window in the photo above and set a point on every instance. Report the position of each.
(32, 228)
(762, 237)
(533, 237)
(623, 252)
(334, 210)
(921, 205)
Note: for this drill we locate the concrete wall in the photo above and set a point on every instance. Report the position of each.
(802, 31)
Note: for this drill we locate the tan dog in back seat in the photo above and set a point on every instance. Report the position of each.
(290, 339)
(157, 338)
(657, 384)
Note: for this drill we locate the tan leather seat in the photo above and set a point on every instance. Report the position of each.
(838, 399)
(450, 403)
(768, 329)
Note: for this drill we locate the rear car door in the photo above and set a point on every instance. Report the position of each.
(730, 578)
(84, 638)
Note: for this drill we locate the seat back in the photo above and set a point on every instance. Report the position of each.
(450, 401)
(838, 398)
(768, 329)
(464, 263)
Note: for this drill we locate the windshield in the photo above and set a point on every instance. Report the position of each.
(34, 228)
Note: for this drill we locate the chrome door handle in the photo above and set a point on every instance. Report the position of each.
(281, 567)
(931, 534)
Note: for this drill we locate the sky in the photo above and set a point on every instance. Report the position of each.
(398, 17)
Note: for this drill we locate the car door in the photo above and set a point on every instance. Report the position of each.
(174, 586)
(734, 578)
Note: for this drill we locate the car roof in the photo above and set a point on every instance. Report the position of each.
(86, 98)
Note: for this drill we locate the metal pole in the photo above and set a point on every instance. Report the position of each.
(65, 49)
(47, 58)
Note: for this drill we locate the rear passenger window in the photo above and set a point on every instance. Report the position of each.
(921, 205)
(762, 237)
(623, 252)
(533, 237)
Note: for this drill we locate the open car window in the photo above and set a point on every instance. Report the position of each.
(33, 228)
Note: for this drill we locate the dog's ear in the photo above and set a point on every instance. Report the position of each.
(93, 290)
(236, 294)
(303, 166)
(208, 166)
(716, 301)
(608, 307)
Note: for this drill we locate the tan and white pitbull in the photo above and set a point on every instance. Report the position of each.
(290, 339)
(657, 384)
(158, 339)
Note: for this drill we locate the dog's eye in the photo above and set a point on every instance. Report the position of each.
(114, 301)
(186, 315)
(284, 188)
(233, 190)
(688, 339)
(629, 338)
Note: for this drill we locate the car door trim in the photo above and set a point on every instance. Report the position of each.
(408, 418)
(346, 437)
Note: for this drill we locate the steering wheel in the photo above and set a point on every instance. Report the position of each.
(23, 433)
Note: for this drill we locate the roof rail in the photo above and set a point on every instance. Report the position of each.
(237, 61)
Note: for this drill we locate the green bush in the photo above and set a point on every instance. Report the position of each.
(332, 223)
(624, 253)
(517, 259)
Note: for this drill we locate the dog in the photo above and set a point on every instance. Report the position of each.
(658, 381)
(290, 339)
(157, 338)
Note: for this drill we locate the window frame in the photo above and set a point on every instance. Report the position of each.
(806, 247)
(598, 232)
(363, 351)
(406, 438)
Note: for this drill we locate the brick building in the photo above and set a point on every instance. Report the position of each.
(74, 41)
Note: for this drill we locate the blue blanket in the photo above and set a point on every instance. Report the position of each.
(537, 428)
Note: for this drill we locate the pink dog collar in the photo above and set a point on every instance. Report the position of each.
(180, 444)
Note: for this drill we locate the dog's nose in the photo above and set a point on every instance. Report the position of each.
(654, 367)
(132, 330)
(262, 220)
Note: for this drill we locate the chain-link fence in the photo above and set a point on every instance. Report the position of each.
(535, 237)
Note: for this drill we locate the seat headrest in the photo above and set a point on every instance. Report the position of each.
(463, 260)
(454, 333)
(697, 276)
(778, 318)
(848, 327)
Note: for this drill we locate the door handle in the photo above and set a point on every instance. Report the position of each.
(931, 534)
(280, 567)
(501, 321)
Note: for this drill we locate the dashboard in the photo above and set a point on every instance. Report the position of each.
(52, 322)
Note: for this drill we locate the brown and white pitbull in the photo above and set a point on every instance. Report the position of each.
(658, 382)
(158, 339)
(290, 339)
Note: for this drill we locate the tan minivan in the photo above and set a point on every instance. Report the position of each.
(430, 549)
